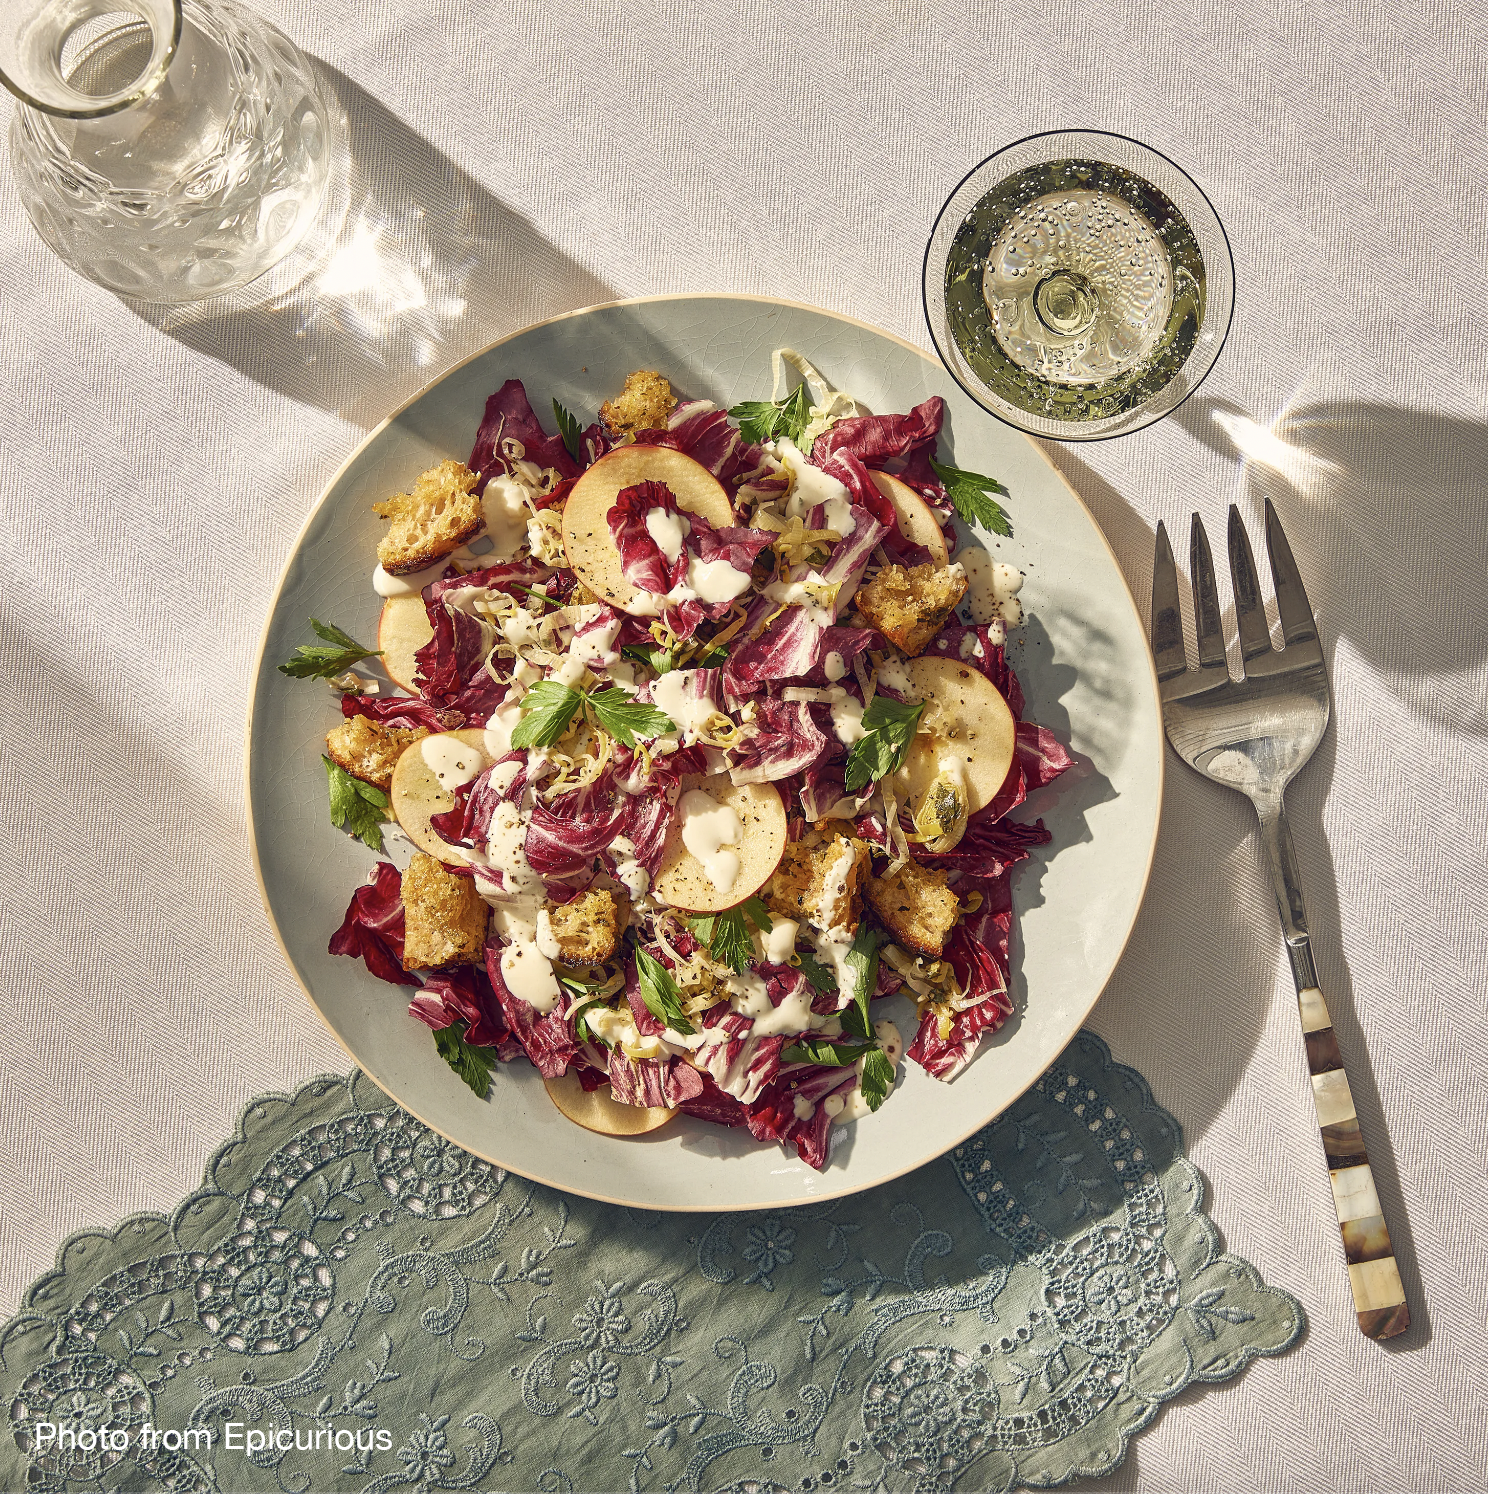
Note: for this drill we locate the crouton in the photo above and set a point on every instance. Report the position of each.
(916, 907)
(819, 878)
(643, 405)
(444, 918)
(909, 607)
(369, 750)
(588, 928)
(442, 513)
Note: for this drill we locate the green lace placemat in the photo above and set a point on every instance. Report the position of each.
(353, 1303)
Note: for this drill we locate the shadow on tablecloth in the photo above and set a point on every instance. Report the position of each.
(414, 267)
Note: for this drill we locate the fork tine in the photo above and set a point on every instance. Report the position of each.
(1250, 610)
(1206, 598)
(1297, 624)
(1167, 620)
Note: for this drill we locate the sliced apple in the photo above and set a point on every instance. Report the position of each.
(684, 882)
(917, 521)
(417, 793)
(586, 525)
(972, 724)
(402, 630)
(597, 1110)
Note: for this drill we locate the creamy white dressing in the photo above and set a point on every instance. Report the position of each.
(834, 882)
(668, 531)
(811, 487)
(847, 718)
(780, 942)
(571, 671)
(597, 644)
(891, 676)
(452, 761)
(992, 588)
(714, 581)
(545, 939)
(803, 1108)
(803, 593)
(832, 949)
(708, 830)
(504, 506)
(834, 666)
(672, 694)
(793, 1015)
(528, 973)
(749, 995)
(406, 586)
(628, 871)
(499, 727)
(614, 1027)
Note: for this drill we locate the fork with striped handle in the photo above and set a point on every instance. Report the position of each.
(1252, 735)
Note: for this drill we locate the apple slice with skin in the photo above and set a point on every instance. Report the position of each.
(973, 724)
(917, 522)
(684, 883)
(402, 630)
(416, 793)
(586, 522)
(596, 1110)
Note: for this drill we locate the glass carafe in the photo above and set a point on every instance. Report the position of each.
(167, 149)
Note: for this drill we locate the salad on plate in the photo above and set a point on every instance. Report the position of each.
(697, 738)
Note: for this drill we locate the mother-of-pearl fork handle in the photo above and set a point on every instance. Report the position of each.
(1379, 1297)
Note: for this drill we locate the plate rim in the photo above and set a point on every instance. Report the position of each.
(256, 675)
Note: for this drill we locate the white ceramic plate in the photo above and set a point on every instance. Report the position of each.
(1082, 659)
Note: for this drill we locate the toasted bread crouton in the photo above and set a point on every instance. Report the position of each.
(916, 907)
(643, 405)
(369, 750)
(442, 513)
(444, 918)
(909, 607)
(819, 879)
(587, 929)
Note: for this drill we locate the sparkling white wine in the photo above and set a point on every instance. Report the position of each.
(1075, 290)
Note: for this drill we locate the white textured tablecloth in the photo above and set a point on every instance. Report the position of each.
(522, 160)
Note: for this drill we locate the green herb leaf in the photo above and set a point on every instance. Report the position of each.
(624, 721)
(314, 663)
(726, 935)
(570, 429)
(711, 657)
(547, 708)
(578, 984)
(819, 1050)
(878, 1078)
(888, 728)
(581, 1027)
(765, 419)
(661, 660)
(862, 961)
(659, 992)
(972, 495)
(356, 806)
(821, 978)
(473, 1065)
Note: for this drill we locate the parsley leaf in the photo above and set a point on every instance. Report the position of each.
(819, 1050)
(473, 1065)
(659, 992)
(624, 721)
(972, 495)
(764, 419)
(548, 707)
(862, 960)
(312, 662)
(356, 806)
(878, 1078)
(725, 933)
(888, 728)
(820, 977)
(661, 660)
(569, 428)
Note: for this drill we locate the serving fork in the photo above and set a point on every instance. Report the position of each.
(1252, 735)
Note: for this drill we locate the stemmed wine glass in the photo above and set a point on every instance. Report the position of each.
(1078, 285)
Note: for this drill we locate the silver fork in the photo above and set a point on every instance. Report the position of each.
(1253, 735)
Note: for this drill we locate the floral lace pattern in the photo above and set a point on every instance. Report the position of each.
(351, 1302)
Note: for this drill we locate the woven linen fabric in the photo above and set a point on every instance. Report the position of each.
(352, 1302)
(521, 160)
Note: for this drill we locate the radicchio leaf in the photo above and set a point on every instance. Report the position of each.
(373, 927)
(509, 417)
